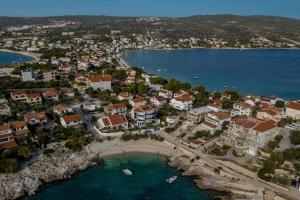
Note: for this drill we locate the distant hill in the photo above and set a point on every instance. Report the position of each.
(229, 27)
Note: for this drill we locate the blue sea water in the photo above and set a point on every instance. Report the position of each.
(261, 72)
(11, 58)
(109, 182)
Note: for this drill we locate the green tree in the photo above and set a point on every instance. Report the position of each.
(279, 104)
(295, 137)
(23, 152)
(9, 165)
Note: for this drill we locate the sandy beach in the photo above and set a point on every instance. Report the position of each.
(141, 146)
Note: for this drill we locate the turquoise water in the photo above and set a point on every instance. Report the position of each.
(109, 182)
(11, 58)
(260, 72)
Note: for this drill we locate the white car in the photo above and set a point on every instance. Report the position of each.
(294, 126)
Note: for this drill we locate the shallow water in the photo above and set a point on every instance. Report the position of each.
(109, 182)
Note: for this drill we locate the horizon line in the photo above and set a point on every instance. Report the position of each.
(141, 16)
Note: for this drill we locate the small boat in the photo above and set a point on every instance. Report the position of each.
(195, 77)
(172, 179)
(127, 172)
(159, 70)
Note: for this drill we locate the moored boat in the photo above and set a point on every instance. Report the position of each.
(172, 179)
(127, 172)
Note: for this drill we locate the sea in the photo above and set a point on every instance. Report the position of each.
(108, 182)
(7, 58)
(266, 72)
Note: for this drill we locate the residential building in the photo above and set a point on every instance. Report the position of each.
(34, 98)
(113, 122)
(71, 121)
(18, 95)
(166, 94)
(6, 137)
(36, 118)
(92, 106)
(137, 102)
(184, 102)
(50, 95)
(4, 108)
(124, 96)
(100, 82)
(158, 101)
(119, 108)
(214, 107)
(293, 110)
(247, 134)
(49, 76)
(156, 87)
(197, 115)
(214, 120)
(144, 115)
(62, 109)
(271, 113)
(241, 108)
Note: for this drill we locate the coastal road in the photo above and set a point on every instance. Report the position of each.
(292, 193)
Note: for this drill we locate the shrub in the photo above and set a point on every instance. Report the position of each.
(9, 165)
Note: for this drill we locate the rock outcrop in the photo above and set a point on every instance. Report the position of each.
(60, 165)
(217, 181)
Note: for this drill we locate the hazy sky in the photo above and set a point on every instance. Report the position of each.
(288, 8)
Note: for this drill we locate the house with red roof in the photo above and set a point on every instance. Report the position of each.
(10, 132)
(293, 110)
(102, 82)
(36, 118)
(144, 115)
(247, 134)
(69, 121)
(113, 122)
(183, 102)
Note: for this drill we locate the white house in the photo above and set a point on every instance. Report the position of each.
(100, 82)
(293, 110)
(158, 101)
(241, 109)
(62, 109)
(214, 120)
(68, 121)
(36, 118)
(166, 94)
(91, 106)
(144, 115)
(50, 95)
(184, 102)
(137, 102)
(119, 108)
(247, 134)
(198, 114)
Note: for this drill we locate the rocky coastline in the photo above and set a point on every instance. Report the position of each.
(218, 182)
(60, 165)
(63, 164)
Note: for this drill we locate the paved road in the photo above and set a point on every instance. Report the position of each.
(293, 193)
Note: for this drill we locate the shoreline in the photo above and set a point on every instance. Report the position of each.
(127, 65)
(34, 56)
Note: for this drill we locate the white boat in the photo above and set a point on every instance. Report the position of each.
(195, 77)
(172, 179)
(127, 172)
(159, 70)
